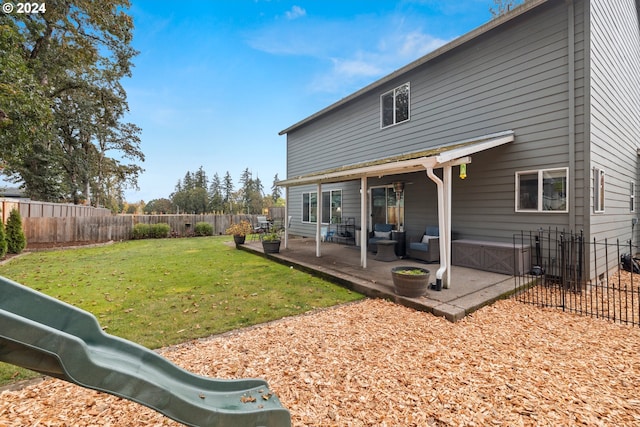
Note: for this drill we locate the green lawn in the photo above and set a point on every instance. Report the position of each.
(162, 292)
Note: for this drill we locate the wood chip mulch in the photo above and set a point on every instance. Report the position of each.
(375, 363)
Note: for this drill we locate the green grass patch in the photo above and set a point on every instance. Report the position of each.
(162, 292)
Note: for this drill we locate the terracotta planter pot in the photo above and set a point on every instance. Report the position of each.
(410, 285)
(271, 246)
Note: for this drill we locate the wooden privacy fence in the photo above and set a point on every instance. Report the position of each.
(117, 227)
(33, 209)
(77, 229)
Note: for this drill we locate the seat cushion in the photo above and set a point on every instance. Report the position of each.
(419, 246)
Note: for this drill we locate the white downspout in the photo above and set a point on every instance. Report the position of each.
(442, 225)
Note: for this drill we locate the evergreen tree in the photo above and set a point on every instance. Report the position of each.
(246, 182)
(200, 179)
(256, 197)
(190, 195)
(276, 192)
(14, 235)
(216, 200)
(188, 183)
(227, 192)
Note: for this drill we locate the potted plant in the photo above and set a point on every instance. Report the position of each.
(239, 231)
(410, 281)
(271, 241)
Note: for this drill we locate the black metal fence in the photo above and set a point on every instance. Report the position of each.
(560, 276)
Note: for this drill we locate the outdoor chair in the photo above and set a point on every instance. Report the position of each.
(263, 224)
(326, 234)
(426, 247)
(380, 232)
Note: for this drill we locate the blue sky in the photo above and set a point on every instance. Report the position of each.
(215, 81)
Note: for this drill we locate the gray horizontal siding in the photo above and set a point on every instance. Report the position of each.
(515, 77)
(350, 205)
(615, 111)
(500, 82)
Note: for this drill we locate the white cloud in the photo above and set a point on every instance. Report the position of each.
(416, 44)
(348, 74)
(295, 12)
(354, 54)
(355, 67)
(355, 70)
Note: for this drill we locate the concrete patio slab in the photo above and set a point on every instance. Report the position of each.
(470, 289)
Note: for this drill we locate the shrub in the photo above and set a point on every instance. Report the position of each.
(141, 231)
(241, 228)
(14, 235)
(159, 231)
(151, 231)
(3, 241)
(203, 229)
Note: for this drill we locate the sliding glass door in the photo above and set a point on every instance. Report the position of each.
(386, 207)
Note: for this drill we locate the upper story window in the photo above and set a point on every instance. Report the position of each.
(394, 106)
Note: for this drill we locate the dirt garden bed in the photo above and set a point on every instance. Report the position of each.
(374, 363)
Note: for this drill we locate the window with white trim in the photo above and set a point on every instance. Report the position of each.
(543, 190)
(598, 190)
(331, 207)
(310, 207)
(632, 196)
(394, 106)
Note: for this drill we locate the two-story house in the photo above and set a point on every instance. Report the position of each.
(531, 120)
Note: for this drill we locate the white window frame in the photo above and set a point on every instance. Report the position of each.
(540, 208)
(599, 195)
(309, 214)
(335, 211)
(394, 93)
(632, 196)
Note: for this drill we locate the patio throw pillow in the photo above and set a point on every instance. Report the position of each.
(382, 234)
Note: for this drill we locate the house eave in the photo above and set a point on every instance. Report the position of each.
(494, 23)
(404, 163)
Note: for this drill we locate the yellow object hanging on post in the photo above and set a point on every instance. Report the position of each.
(463, 171)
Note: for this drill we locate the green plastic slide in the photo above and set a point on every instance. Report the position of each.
(46, 335)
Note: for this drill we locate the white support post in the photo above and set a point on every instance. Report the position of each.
(363, 222)
(318, 219)
(286, 217)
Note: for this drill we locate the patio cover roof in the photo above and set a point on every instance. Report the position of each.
(404, 163)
